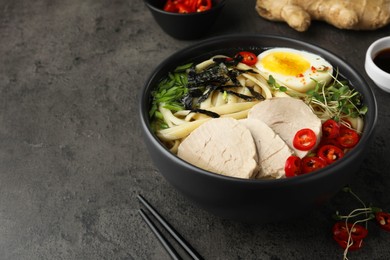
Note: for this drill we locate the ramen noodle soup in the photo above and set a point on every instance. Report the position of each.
(274, 114)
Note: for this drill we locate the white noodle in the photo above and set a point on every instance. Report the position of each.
(262, 83)
(169, 118)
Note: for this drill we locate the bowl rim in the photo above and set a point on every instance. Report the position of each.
(319, 174)
(220, 4)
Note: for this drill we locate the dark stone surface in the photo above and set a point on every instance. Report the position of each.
(71, 155)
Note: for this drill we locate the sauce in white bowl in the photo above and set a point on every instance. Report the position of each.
(377, 63)
(382, 60)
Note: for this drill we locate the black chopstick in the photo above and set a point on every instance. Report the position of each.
(171, 251)
(185, 245)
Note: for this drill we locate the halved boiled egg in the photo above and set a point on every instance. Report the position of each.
(295, 69)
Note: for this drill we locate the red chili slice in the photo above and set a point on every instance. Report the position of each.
(330, 128)
(293, 166)
(330, 141)
(341, 230)
(203, 5)
(247, 58)
(330, 153)
(311, 164)
(383, 219)
(348, 138)
(345, 123)
(356, 244)
(170, 6)
(183, 8)
(305, 139)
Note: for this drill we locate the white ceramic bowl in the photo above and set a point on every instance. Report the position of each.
(379, 76)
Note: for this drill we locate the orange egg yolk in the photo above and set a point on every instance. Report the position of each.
(285, 63)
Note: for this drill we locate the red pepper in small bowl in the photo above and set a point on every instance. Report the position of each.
(185, 19)
(187, 6)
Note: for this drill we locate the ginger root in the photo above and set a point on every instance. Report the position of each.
(343, 14)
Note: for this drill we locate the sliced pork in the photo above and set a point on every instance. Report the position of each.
(286, 116)
(223, 146)
(272, 151)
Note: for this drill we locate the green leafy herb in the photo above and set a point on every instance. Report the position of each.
(183, 68)
(169, 93)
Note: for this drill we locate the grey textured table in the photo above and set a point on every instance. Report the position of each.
(71, 155)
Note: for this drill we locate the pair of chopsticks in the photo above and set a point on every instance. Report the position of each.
(166, 244)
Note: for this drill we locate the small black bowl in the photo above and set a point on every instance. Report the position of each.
(185, 26)
(255, 200)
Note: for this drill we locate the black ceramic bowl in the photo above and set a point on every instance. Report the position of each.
(185, 26)
(255, 199)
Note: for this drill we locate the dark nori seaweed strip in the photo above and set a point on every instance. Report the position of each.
(206, 112)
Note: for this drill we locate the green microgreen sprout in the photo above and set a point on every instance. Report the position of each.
(275, 85)
(335, 100)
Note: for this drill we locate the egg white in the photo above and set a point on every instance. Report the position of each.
(295, 69)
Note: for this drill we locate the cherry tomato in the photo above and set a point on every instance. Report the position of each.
(330, 153)
(341, 230)
(311, 164)
(293, 166)
(247, 58)
(348, 138)
(330, 128)
(305, 139)
(383, 219)
(356, 244)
